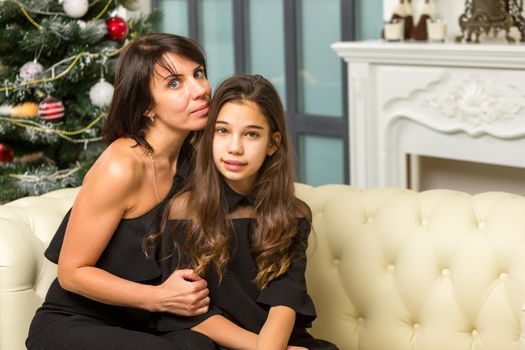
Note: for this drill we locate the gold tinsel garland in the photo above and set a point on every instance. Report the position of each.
(39, 27)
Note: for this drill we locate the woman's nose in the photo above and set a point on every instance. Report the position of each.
(200, 88)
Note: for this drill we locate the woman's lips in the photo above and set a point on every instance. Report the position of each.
(202, 110)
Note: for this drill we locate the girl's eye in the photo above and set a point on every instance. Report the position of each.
(221, 130)
(252, 134)
(174, 83)
(199, 73)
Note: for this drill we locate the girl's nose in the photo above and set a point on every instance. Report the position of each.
(235, 145)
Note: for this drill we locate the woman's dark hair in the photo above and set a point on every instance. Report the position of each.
(135, 69)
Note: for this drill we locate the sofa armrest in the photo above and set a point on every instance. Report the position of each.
(26, 228)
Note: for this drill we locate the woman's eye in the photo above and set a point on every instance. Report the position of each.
(199, 73)
(252, 134)
(174, 83)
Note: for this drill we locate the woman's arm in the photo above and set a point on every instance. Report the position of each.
(277, 329)
(110, 191)
(226, 333)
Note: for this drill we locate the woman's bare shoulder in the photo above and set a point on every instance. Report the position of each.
(119, 169)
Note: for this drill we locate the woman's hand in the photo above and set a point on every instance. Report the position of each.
(184, 293)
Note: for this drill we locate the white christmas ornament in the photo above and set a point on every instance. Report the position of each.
(132, 5)
(101, 93)
(31, 70)
(75, 8)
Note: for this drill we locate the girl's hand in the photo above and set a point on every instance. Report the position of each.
(291, 347)
(184, 293)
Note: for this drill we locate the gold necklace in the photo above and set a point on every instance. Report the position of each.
(155, 184)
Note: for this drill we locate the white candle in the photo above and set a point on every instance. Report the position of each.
(437, 31)
(394, 31)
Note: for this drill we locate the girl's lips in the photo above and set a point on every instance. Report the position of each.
(233, 165)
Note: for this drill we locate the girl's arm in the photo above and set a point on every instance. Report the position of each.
(227, 334)
(276, 330)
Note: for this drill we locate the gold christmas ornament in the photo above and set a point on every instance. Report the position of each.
(23, 110)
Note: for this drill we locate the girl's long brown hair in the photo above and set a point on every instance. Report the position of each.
(274, 202)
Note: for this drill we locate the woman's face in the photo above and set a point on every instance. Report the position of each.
(181, 99)
(241, 142)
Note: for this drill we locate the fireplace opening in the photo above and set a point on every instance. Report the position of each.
(425, 173)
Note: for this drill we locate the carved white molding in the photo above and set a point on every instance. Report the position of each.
(454, 101)
(477, 101)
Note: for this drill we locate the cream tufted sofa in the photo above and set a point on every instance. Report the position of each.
(388, 268)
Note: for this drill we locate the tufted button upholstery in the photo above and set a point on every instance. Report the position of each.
(26, 228)
(417, 271)
(388, 269)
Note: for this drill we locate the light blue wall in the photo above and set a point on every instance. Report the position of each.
(369, 19)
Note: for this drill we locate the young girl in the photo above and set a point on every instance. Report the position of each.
(240, 226)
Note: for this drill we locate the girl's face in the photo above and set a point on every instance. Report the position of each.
(241, 142)
(181, 99)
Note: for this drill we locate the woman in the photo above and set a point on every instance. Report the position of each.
(239, 224)
(108, 294)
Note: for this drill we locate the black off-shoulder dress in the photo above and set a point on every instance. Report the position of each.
(69, 321)
(236, 296)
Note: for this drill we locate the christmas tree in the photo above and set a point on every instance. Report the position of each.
(57, 61)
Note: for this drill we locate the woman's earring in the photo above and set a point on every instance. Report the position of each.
(151, 118)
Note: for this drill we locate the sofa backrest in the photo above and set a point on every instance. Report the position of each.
(388, 268)
(394, 269)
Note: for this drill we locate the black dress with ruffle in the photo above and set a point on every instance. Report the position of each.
(70, 321)
(236, 296)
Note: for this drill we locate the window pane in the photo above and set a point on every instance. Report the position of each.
(175, 16)
(320, 76)
(265, 42)
(216, 36)
(321, 160)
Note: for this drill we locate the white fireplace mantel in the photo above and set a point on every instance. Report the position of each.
(454, 101)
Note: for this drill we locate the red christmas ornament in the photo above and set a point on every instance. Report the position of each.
(6, 154)
(51, 109)
(117, 28)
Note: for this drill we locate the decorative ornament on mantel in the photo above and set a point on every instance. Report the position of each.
(420, 31)
(394, 29)
(409, 18)
(490, 17)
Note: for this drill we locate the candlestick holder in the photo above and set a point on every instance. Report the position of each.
(486, 16)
